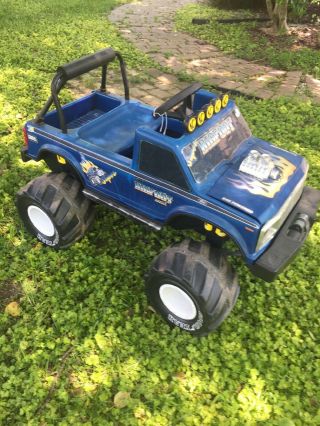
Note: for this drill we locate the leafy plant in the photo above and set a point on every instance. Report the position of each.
(85, 348)
(299, 8)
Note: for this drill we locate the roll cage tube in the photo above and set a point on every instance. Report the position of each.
(183, 96)
(76, 68)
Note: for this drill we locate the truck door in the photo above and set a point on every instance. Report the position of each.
(110, 180)
(158, 188)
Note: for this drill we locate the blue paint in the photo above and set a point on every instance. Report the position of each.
(107, 131)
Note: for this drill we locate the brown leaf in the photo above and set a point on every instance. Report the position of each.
(121, 399)
(13, 309)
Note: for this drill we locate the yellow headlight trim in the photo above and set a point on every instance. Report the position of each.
(225, 100)
(217, 106)
(191, 124)
(209, 111)
(200, 118)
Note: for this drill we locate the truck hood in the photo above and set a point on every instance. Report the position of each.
(259, 179)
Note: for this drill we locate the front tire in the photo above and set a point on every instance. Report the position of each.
(192, 286)
(53, 208)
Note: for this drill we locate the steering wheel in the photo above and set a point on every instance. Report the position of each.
(182, 96)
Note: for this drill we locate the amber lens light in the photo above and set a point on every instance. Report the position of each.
(25, 136)
(191, 124)
(225, 100)
(209, 111)
(200, 118)
(217, 106)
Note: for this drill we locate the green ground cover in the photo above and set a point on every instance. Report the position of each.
(85, 333)
(243, 41)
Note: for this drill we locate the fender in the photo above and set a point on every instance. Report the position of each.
(230, 228)
(72, 162)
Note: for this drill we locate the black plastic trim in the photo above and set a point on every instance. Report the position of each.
(76, 68)
(24, 154)
(87, 63)
(287, 244)
(177, 98)
(122, 209)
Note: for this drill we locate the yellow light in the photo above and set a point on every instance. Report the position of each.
(209, 111)
(220, 233)
(225, 100)
(61, 160)
(217, 106)
(191, 124)
(200, 118)
(208, 226)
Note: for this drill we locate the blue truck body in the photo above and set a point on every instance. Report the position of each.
(217, 178)
(106, 131)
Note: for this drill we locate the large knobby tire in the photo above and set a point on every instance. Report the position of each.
(192, 286)
(54, 209)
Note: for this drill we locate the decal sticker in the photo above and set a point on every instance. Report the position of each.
(210, 139)
(185, 326)
(248, 229)
(159, 196)
(32, 138)
(96, 175)
(263, 173)
(48, 242)
(261, 166)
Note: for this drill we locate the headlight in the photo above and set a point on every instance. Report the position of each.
(268, 231)
(273, 225)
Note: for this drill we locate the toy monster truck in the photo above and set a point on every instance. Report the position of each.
(191, 163)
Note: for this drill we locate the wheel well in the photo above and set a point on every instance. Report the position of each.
(51, 160)
(190, 222)
(187, 222)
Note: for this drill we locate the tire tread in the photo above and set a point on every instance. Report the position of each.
(61, 196)
(206, 272)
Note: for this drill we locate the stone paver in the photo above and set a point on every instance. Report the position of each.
(149, 25)
(314, 87)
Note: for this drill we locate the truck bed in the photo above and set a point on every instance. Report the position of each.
(105, 121)
(84, 110)
(115, 131)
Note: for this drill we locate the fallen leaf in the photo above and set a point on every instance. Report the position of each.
(121, 399)
(13, 309)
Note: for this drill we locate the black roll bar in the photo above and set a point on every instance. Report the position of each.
(76, 68)
(179, 97)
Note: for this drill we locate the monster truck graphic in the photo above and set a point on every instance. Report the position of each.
(96, 175)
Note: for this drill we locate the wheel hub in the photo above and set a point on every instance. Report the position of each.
(178, 302)
(41, 221)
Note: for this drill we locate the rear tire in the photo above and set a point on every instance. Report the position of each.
(192, 286)
(54, 209)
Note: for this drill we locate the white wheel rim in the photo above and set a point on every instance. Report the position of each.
(178, 302)
(41, 221)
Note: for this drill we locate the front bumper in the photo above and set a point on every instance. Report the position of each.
(290, 237)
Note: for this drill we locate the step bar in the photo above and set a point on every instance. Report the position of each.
(120, 208)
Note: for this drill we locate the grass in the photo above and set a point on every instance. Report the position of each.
(244, 41)
(85, 334)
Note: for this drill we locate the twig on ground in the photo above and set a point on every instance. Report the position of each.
(53, 386)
